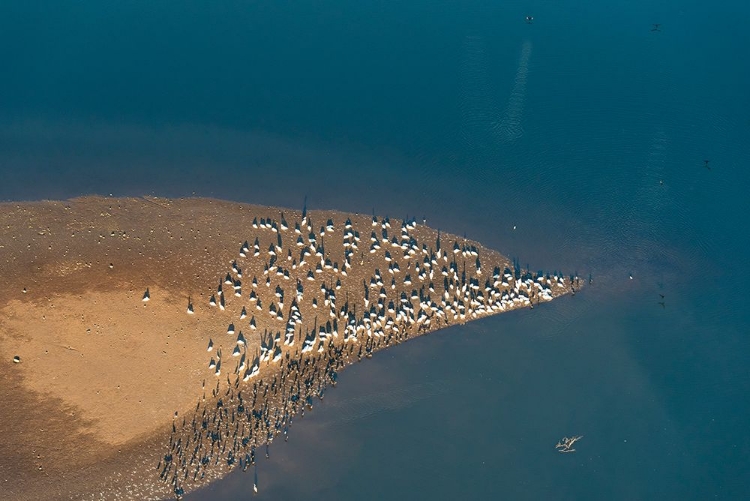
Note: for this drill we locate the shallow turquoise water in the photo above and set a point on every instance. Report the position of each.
(585, 131)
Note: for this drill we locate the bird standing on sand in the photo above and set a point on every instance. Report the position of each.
(235, 427)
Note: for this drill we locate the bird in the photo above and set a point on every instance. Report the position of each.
(656, 27)
(566, 444)
(529, 19)
(662, 304)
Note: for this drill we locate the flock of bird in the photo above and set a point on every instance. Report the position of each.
(302, 303)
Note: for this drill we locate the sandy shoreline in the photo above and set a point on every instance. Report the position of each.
(91, 404)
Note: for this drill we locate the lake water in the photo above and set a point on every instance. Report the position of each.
(575, 143)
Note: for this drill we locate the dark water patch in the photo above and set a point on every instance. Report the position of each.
(477, 100)
(370, 403)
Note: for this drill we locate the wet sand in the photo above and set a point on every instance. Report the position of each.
(90, 409)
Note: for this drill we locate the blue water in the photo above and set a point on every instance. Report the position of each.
(585, 131)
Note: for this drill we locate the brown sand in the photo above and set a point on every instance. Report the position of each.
(102, 372)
